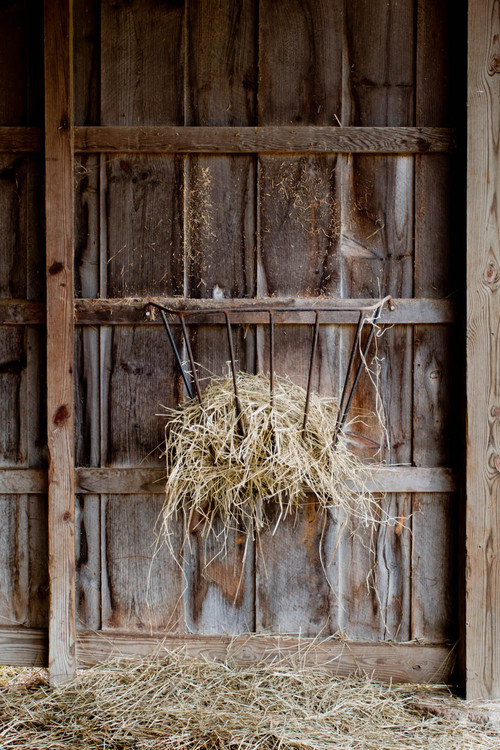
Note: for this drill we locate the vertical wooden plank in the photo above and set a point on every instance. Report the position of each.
(436, 391)
(86, 73)
(220, 263)
(142, 81)
(87, 407)
(300, 82)
(483, 360)
(59, 264)
(86, 61)
(376, 259)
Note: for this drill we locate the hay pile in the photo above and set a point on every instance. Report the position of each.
(180, 703)
(219, 467)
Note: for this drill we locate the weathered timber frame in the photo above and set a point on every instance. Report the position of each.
(483, 355)
(61, 648)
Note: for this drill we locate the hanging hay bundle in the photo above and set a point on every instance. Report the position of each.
(237, 469)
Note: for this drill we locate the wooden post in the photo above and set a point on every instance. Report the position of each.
(483, 354)
(59, 263)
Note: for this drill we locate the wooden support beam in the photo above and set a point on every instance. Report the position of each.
(20, 139)
(21, 312)
(396, 662)
(263, 140)
(59, 266)
(133, 481)
(142, 481)
(134, 311)
(483, 355)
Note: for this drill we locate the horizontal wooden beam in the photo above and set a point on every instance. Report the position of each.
(263, 140)
(23, 481)
(138, 481)
(399, 662)
(24, 647)
(21, 312)
(20, 139)
(134, 311)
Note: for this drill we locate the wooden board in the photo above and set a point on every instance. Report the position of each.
(300, 55)
(219, 224)
(483, 385)
(436, 383)
(141, 83)
(87, 356)
(376, 252)
(59, 266)
(383, 661)
(270, 139)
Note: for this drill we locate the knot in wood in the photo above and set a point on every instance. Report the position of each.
(56, 267)
(490, 273)
(494, 65)
(61, 414)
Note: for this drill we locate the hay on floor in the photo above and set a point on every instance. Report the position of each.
(219, 467)
(179, 703)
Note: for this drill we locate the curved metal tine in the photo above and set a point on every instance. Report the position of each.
(176, 353)
(271, 358)
(361, 366)
(233, 368)
(191, 358)
(348, 374)
(311, 368)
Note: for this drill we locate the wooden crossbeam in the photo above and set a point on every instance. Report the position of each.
(263, 140)
(138, 480)
(134, 311)
(396, 662)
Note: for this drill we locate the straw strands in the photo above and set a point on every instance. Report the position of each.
(180, 703)
(237, 469)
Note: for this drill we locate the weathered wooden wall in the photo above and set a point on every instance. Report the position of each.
(240, 225)
(23, 518)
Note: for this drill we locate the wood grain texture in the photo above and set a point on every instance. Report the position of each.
(24, 647)
(300, 84)
(483, 385)
(137, 588)
(264, 139)
(402, 662)
(141, 226)
(13, 364)
(142, 58)
(376, 255)
(134, 310)
(59, 265)
(121, 480)
(220, 263)
(86, 62)
(87, 356)
(120, 311)
(20, 138)
(436, 388)
(142, 586)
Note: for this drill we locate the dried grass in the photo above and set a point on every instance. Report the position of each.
(180, 703)
(239, 472)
